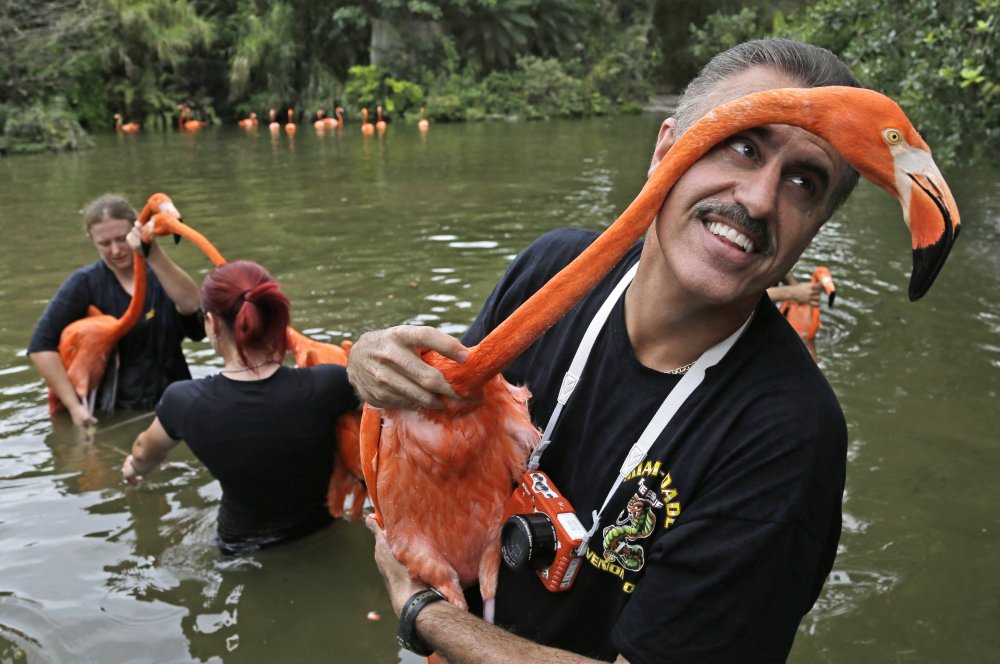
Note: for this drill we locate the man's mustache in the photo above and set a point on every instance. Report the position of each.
(755, 228)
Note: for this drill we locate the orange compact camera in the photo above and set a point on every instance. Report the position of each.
(542, 532)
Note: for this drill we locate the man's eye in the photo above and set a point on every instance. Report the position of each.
(802, 181)
(743, 148)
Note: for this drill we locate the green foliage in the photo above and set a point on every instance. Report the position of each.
(721, 31)
(43, 128)
(549, 91)
(370, 86)
(939, 63)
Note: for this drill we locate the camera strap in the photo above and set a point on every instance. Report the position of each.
(678, 395)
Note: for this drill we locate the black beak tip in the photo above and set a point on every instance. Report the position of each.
(145, 249)
(927, 263)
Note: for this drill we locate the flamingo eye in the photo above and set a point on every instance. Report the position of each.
(892, 136)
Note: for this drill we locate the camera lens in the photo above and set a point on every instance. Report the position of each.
(528, 540)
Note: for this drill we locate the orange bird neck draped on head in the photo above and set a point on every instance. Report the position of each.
(869, 131)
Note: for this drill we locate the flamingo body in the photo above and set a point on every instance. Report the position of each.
(467, 458)
(290, 125)
(85, 345)
(380, 124)
(805, 318)
(128, 127)
(367, 128)
(249, 122)
(412, 459)
(423, 124)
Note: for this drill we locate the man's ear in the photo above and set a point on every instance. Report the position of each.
(666, 138)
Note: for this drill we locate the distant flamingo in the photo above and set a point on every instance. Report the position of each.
(380, 124)
(339, 112)
(290, 125)
(439, 478)
(423, 124)
(367, 128)
(249, 122)
(320, 123)
(186, 122)
(331, 121)
(274, 126)
(128, 127)
(805, 317)
(85, 345)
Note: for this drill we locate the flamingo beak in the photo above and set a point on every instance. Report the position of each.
(829, 288)
(934, 224)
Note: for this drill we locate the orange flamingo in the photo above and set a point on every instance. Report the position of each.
(274, 126)
(85, 345)
(805, 317)
(128, 127)
(339, 112)
(186, 122)
(380, 123)
(249, 122)
(290, 125)
(332, 122)
(439, 479)
(423, 124)
(320, 123)
(367, 128)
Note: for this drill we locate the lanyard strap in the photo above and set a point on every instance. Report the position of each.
(678, 395)
(576, 367)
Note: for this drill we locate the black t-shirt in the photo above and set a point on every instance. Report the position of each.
(269, 443)
(731, 548)
(150, 354)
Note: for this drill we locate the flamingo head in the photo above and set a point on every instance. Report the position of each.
(157, 203)
(871, 133)
(825, 279)
(891, 154)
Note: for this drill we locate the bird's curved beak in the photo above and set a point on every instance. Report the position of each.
(933, 219)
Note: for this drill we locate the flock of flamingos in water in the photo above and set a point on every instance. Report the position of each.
(323, 122)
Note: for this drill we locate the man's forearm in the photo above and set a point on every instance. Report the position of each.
(463, 638)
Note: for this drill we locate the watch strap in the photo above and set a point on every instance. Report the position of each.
(407, 636)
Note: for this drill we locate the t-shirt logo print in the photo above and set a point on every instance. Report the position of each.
(636, 521)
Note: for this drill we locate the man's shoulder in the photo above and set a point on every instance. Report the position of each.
(559, 246)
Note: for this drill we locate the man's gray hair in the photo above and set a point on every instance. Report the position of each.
(810, 65)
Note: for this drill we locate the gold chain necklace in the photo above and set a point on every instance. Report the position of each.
(680, 370)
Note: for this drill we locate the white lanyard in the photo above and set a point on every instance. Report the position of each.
(678, 395)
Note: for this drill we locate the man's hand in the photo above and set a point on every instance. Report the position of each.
(386, 370)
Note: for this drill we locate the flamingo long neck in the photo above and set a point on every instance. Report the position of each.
(135, 307)
(816, 113)
(199, 240)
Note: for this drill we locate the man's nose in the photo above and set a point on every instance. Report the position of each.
(757, 191)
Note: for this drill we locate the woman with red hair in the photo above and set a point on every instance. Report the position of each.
(263, 430)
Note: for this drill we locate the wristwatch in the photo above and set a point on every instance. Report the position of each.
(407, 636)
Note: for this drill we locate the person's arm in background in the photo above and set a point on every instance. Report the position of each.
(51, 368)
(178, 285)
(148, 451)
(806, 292)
